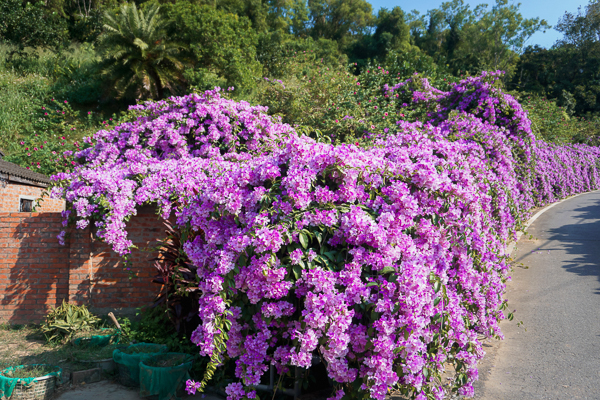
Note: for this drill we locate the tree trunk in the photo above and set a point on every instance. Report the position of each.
(159, 88)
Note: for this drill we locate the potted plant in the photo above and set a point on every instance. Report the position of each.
(128, 360)
(25, 382)
(164, 374)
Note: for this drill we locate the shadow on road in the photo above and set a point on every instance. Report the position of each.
(581, 240)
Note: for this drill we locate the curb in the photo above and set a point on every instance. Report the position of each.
(511, 246)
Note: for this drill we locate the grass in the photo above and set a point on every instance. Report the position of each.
(166, 360)
(93, 353)
(30, 371)
(28, 82)
(22, 96)
(25, 344)
(152, 348)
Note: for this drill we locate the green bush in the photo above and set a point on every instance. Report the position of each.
(55, 135)
(311, 95)
(76, 75)
(63, 322)
(553, 123)
(222, 45)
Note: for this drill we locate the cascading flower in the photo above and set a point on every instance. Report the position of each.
(386, 260)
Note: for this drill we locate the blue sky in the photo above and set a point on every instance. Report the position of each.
(550, 10)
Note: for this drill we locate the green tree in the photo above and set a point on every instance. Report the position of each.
(139, 60)
(580, 30)
(222, 45)
(26, 24)
(569, 72)
(392, 33)
(275, 49)
(299, 15)
(476, 39)
(256, 11)
(340, 20)
(440, 32)
(499, 35)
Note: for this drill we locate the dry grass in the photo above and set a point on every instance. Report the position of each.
(25, 344)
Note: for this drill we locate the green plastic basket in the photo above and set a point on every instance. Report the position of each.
(99, 340)
(164, 381)
(128, 365)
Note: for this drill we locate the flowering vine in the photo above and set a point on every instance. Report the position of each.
(385, 260)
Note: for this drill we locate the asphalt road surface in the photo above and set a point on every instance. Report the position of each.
(555, 354)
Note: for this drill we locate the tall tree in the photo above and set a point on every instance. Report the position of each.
(255, 10)
(392, 33)
(570, 70)
(139, 60)
(31, 24)
(340, 20)
(499, 35)
(440, 32)
(222, 45)
(475, 39)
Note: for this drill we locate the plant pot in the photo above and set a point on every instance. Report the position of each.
(128, 365)
(38, 388)
(164, 381)
(98, 340)
(41, 388)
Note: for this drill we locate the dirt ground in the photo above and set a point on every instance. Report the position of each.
(25, 344)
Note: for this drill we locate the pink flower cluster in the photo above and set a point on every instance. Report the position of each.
(385, 261)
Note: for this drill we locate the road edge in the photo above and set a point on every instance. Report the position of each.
(511, 246)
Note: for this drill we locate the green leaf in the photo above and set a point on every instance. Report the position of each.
(297, 271)
(436, 286)
(303, 239)
(388, 270)
(319, 237)
(437, 301)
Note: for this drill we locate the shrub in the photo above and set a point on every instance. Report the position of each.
(55, 135)
(552, 123)
(63, 322)
(309, 95)
(386, 259)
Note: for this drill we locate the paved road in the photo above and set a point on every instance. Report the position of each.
(108, 390)
(558, 299)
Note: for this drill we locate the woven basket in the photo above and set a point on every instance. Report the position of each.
(40, 389)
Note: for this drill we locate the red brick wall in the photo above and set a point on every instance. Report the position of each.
(9, 198)
(36, 272)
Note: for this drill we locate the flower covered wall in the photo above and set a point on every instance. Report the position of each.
(385, 260)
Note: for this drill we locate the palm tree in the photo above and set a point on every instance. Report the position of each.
(138, 58)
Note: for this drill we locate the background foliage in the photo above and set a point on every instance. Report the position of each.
(72, 50)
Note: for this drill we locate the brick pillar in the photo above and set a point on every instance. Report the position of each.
(79, 266)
